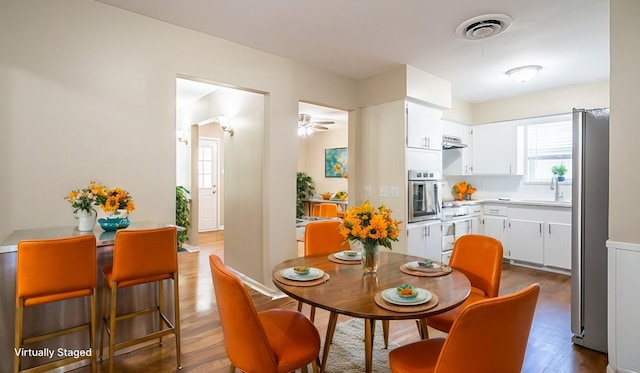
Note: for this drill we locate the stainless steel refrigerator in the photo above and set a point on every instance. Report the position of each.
(590, 220)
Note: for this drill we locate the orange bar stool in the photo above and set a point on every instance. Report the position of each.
(328, 210)
(141, 257)
(53, 270)
(315, 210)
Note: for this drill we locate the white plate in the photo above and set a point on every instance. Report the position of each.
(434, 267)
(343, 256)
(314, 274)
(391, 296)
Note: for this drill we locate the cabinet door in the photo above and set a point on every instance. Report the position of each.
(424, 127)
(416, 240)
(496, 227)
(462, 228)
(475, 226)
(495, 149)
(434, 241)
(557, 245)
(526, 240)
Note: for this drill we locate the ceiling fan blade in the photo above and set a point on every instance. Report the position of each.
(323, 122)
(319, 128)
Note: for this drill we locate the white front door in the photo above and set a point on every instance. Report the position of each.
(208, 184)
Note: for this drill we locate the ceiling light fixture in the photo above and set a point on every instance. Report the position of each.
(523, 73)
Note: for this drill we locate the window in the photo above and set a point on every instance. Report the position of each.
(546, 145)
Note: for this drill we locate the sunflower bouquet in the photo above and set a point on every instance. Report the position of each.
(115, 201)
(463, 190)
(370, 225)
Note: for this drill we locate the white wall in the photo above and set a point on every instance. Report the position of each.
(553, 101)
(89, 93)
(311, 158)
(624, 133)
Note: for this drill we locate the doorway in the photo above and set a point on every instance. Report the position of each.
(208, 184)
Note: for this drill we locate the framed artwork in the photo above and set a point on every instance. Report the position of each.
(335, 162)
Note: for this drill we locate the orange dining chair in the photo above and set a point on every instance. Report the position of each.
(322, 237)
(315, 210)
(328, 210)
(488, 336)
(141, 257)
(480, 259)
(53, 270)
(276, 340)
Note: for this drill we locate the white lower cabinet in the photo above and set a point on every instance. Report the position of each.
(526, 240)
(494, 224)
(557, 245)
(425, 240)
(539, 235)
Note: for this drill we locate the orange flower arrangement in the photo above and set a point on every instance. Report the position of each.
(114, 199)
(463, 188)
(370, 225)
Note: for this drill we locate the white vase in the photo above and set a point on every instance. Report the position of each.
(86, 220)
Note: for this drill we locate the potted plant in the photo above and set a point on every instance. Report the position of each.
(560, 171)
(304, 189)
(183, 209)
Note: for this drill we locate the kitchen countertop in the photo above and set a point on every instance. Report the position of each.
(103, 238)
(511, 201)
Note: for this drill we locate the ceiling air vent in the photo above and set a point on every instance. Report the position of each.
(483, 27)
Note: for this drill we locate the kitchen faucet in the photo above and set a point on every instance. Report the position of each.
(558, 195)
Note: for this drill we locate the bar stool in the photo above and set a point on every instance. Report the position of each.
(328, 210)
(315, 210)
(141, 257)
(49, 271)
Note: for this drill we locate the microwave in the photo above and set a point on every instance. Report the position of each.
(425, 195)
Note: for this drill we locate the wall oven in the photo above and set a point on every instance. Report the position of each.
(425, 195)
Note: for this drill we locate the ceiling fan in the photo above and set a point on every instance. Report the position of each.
(306, 125)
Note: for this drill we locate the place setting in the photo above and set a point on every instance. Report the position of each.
(346, 257)
(406, 298)
(301, 276)
(425, 268)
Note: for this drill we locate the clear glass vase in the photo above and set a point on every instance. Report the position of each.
(370, 258)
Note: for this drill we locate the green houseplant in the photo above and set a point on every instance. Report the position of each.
(560, 171)
(304, 189)
(183, 210)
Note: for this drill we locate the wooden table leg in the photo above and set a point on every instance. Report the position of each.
(331, 327)
(368, 345)
(424, 332)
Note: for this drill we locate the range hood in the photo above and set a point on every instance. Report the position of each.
(452, 142)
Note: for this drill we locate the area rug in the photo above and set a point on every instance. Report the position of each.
(347, 350)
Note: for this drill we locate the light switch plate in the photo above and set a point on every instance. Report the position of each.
(367, 190)
(384, 191)
(394, 191)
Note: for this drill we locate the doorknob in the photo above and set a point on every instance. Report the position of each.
(215, 188)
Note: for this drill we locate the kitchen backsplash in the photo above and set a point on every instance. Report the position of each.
(507, 186)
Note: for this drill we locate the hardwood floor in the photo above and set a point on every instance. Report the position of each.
(549, 350)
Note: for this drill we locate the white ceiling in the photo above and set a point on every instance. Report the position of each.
(360, 38)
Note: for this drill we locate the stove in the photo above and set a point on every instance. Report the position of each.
(458, 218)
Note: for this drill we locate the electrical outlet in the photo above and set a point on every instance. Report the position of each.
(394, 191)
(384, 191)
(367, 190)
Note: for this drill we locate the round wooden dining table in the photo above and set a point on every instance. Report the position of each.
(348, 292)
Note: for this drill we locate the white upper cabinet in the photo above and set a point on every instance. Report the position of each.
(424, 126)
(458, 161)
(495, 149)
